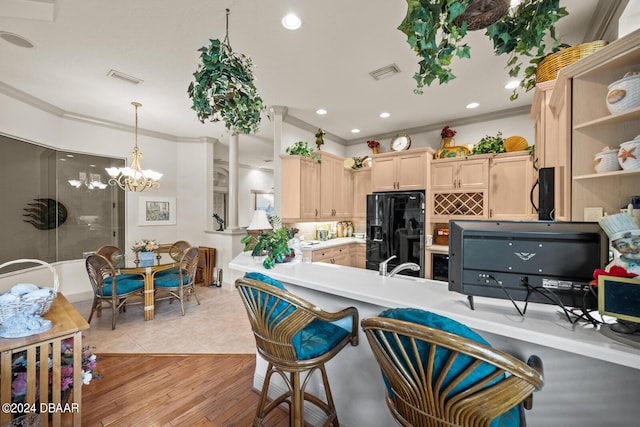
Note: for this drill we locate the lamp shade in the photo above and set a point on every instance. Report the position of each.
(259, 221)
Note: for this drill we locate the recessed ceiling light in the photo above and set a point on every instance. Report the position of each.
(473, 105)
(355, 130)
(15, 39)
(385, 115)
(321, 111)
(512, 84)
(291, 22)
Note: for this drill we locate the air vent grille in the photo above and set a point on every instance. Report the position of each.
(384, 72)
(122, 76)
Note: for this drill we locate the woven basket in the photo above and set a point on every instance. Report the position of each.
(38, 305)
(624, 94)
(549, 67)
(628, 154)
(480, 14)
(606, 161)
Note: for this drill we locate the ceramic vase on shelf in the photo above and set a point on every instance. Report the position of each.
(448, 149)
(376, 150)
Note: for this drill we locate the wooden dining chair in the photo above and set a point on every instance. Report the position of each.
(440, 373)
(296, 338)
(116, 257)
(115, 290)
(181, 284)
(177, 249)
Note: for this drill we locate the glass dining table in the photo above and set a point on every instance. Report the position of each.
(147, 269)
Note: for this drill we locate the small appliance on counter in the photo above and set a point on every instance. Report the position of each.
(395, 226)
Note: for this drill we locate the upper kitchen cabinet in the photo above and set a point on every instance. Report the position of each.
(594, 128)
(460, 173)
(399, 171)
(553, 144)
(300, 188)
(333, 187)
(361, 187)
(511, 180)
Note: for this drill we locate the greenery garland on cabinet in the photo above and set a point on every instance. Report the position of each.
(436, 32)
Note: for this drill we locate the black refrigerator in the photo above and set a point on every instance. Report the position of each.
(395, 226)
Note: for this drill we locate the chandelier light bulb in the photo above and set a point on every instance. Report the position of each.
(133, 178)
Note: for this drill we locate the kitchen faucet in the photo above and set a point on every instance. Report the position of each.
(404, 266)
(382, 267)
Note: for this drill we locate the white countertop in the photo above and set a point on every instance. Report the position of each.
(318, 245)
(542, 324)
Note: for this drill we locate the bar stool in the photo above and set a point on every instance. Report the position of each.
(296, 338)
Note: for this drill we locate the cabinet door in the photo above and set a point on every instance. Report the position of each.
(309, 185)
(330, 187)
(443, 175)
(410, 171)
(347, 193)
(511, 182)
(383, 174)
(361, 187)
(473, 174)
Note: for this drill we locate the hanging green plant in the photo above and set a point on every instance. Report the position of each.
(436, 30)
(522, 32)
(223, 88)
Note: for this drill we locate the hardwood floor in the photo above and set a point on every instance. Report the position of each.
(174, 390)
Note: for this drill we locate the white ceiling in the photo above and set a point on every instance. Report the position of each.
(325, 64)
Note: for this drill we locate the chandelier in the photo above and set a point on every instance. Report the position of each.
(133, 178)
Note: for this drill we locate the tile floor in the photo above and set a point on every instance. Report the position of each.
(219, 325)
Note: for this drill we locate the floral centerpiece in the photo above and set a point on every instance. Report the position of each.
(19, 371)
(145, 245)
(447, 132)
(374, 145)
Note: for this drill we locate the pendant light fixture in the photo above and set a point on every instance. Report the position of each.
(133, 178)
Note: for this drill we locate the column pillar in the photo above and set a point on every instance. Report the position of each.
(278, 113)
(233, 181)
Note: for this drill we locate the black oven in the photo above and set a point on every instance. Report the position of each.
(440, 267)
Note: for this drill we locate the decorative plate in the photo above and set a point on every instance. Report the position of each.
(515, 143)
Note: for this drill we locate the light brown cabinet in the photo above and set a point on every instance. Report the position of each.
(399, 171)
(460, 174)
(332, 187)
(594, 128)
(359, 255)
(553, 144)
(339, 255)
(361, 187)
(300, 188)
(511, 180)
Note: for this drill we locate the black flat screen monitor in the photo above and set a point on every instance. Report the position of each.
(536, 261)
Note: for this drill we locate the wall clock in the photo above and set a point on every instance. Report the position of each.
(400, 142)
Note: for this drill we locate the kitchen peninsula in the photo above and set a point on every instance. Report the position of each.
(590, 380)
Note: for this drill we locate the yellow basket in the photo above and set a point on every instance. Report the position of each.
(39, 305)
(549, 67)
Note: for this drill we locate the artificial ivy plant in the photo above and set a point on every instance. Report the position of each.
(273, 244)
(301, 148)
(436, 32)
(223, 88)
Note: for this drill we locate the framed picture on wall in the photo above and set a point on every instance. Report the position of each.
(156, 211)
(263, 201)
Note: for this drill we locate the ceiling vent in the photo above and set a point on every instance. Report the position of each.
(122, 76)
(383, 72)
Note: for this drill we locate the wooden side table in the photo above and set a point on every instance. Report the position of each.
(67, 323)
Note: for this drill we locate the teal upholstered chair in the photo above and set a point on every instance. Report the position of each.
(438, 372)
(116, 258)
(296, 338)
(110, 288)
(180, 284)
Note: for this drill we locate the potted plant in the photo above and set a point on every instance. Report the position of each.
(273, 245)
(436, 30)
(490, 144)
(224, 90)
(301, 148)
